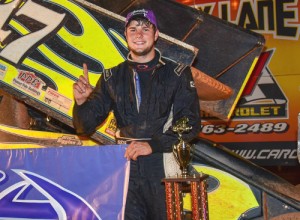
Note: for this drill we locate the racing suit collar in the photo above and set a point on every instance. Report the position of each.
(158, 57)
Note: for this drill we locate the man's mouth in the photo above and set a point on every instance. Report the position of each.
(139, 42)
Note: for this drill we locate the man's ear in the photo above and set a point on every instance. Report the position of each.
(156, 34)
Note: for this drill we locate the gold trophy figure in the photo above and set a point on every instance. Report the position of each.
(182, 149)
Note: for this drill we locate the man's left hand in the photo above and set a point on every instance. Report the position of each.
(137, 148)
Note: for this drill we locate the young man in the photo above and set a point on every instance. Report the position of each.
(147, 93)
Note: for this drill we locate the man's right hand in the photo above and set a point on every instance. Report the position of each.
(82, 88)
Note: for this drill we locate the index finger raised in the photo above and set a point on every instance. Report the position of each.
(86, 73)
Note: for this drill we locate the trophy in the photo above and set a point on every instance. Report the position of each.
(182, 149)
(176, 187)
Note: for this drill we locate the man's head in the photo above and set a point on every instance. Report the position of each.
(141, 34)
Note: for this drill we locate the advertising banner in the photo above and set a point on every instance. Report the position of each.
(63, 183)
(263, 127)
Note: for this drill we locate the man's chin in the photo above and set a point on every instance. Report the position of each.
(141, 52)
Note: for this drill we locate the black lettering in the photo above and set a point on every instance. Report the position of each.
(247, 14)
(262, 19)
(22, 76)
(207, 9)
(29, 79)
(36, 83)
(281, 15)
(224, 12)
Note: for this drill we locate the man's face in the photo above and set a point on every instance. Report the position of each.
(141, 37)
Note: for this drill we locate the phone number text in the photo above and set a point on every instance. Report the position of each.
(245, 128)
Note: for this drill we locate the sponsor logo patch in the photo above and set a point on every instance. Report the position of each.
(29, 82)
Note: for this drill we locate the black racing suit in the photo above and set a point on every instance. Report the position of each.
(170, 95)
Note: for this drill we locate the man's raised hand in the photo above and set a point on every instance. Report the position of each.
(82, 88)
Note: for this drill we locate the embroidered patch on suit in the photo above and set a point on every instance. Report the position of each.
(179, 69)
(107, 74)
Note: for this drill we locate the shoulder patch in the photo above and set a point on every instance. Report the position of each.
(179, 69)
(107, 74)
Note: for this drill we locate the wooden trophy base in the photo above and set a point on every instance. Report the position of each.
(176, 186)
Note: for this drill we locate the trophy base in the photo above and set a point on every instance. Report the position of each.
(176, 186)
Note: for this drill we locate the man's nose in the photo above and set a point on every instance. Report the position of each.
(139, 34)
